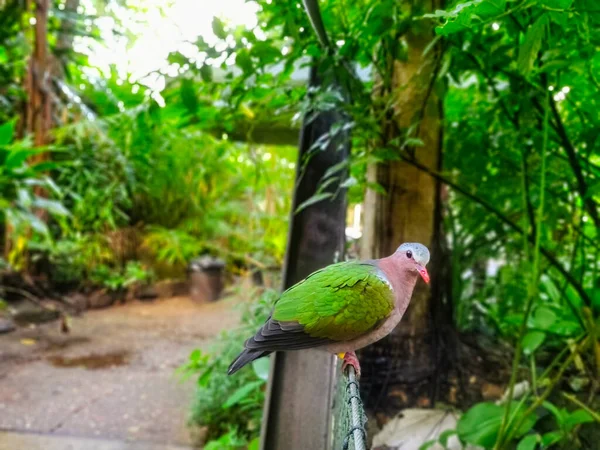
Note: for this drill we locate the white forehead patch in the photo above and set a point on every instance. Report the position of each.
(419, 251)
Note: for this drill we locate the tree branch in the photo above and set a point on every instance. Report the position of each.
(582, 187)
(504, 219)
(560, 130)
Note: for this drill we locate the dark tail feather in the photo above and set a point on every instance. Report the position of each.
(246, 357)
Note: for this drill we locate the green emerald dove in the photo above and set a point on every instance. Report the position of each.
(341, 308)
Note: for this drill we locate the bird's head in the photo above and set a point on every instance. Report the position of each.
(415, 257)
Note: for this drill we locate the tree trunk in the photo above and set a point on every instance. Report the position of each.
(38, 115)
(36, 118)
(401, 370)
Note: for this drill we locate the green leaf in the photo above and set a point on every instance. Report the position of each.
(445, 435)
(558, 414)
(244, 61)
(265, 52)
(261, 368)
(559, 18)
(314, 199)
(557, 4)
(335, 169)
(349, 182)
(218, 28)
(24, 198)
(177, 58)
(554, 66)
(427, 445)
(376, 187)
(529, 442)
(573, 297)
(188, 95)
(566, 327)
(36, 223)
(593, 190)
(551, 438)
(490, 8)
(543, 318)
(46, 166)
(195, 355)
(532, 340)
(7, 131)
(594, 294)
(314, 51)
(206, 72)
(3, 55)
(242, 393)
(204, 379)
(517, 411)
(480, 425)
(52, 206)
(532, 43)
(577, 417)
(467, 14)
(254, 444)
(414, 142)
(549, 287)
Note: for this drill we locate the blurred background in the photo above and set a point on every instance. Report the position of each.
(151, 164)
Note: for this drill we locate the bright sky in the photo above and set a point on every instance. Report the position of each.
(165, 31)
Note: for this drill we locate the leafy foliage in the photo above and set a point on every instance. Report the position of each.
(518, 82)
(133, 274)
(520, 156)
(120, 161)
(231, 406)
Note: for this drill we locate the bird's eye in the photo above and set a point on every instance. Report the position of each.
(409, 254)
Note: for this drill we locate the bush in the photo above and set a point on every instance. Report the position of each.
(231, 405)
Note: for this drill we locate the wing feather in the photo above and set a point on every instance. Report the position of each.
(340, 302)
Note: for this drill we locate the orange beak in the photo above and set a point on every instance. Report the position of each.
(424, 274)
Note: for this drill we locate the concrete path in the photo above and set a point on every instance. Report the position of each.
(110, 383)
(12, 441)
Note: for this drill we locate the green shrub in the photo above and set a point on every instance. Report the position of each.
(231, 405)
(75, 257)
(134, 273)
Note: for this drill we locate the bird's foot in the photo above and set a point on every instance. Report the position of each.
(350, 359)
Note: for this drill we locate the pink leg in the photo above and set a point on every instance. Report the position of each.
(350, 359)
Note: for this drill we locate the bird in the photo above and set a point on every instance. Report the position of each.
(341, 308)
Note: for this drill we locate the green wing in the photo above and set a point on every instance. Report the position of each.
(340, 302)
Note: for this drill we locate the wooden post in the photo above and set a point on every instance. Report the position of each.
(298, 407)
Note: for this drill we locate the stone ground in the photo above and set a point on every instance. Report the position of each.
(110, 384)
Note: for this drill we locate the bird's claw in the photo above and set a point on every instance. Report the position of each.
(350, 359)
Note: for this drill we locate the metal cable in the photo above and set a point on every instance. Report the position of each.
(356, 411)
(352, 420)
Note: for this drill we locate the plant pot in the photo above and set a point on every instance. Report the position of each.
(206, 279)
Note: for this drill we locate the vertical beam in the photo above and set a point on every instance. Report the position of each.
(301, 384)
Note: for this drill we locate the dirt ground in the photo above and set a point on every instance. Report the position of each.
(112, 378)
